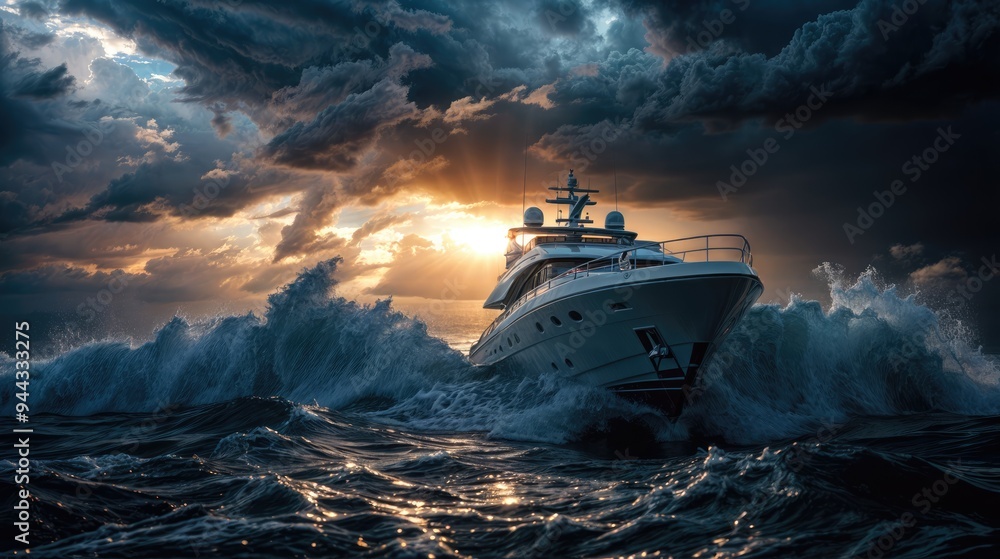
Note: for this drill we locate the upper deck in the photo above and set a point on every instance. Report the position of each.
(559, 247)
(642, 254)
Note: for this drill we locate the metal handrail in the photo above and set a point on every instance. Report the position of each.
(615, 264)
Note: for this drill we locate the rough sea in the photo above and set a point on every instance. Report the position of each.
(326, 428)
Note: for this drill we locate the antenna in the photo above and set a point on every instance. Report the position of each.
(524, 182)
(614, 169)
(524, 187)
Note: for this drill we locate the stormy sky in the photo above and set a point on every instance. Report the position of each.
(191, 156)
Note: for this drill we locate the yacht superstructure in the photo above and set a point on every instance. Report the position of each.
(600, 307)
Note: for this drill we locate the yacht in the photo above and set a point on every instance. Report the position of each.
(597, 306)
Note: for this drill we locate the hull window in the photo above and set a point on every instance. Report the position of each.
(555, 321)
(575, 316)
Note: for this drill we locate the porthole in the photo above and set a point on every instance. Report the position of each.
(510, 343)
(555, 321)
(539, 326)
(554, 366)
(517, 339)
(575, 316)
(569, 363)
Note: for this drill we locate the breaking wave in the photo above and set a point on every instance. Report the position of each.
(783, 372)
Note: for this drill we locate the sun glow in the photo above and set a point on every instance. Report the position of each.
(480, 238)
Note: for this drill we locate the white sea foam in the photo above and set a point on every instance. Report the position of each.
(783, 372)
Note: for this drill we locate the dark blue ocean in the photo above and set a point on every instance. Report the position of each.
(325, 428)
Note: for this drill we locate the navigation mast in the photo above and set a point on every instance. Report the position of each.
(576, 203)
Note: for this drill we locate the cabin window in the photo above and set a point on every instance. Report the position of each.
(550, 271)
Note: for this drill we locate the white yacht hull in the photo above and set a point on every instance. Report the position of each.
(601, 329)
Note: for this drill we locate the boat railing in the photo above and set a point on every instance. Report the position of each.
(656, 253)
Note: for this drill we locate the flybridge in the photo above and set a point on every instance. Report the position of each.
(571, 229)
(575, 224)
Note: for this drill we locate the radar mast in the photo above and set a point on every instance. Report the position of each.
(576, 203)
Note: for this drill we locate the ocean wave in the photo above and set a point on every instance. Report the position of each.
(783, 372)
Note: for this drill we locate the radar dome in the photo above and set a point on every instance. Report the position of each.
(615, 220)
(533, 217)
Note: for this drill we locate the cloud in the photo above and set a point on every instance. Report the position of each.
(564, 17)
(905, 252)
(376, 224)
(34, 10)
(944, 274)
(315, 210)
(44, 85)
(419, 269)
(926, 67)
(316, 108)
(321, 87)
(340, 133)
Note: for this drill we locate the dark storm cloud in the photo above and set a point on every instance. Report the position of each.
(34, 10)
(929, 65)
(362, 89)
(44, 85)
(322, 87)
(565, 17)
(339, 134)
(244, 53)
(21, 80)
(315, 209)
(411, 20)
(677, 27)
(36, 40)
(331, 80)
(29, 39)
(69, 281)
(184, 189)
(221, 54)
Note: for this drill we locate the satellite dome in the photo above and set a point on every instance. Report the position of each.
(615, 220)
(533, 217)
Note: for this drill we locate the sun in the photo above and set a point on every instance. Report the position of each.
(482, 239)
